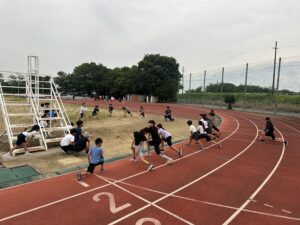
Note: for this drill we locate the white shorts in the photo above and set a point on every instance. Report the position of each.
(139, 151)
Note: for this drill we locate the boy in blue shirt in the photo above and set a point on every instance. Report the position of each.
(95, 158)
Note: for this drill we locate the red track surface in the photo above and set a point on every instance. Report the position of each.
(243, 183)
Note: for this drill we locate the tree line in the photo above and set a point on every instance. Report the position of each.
(232, 88)
(154, 75)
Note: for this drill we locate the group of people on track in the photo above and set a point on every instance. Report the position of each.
(153, 135)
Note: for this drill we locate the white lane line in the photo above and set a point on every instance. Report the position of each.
(286, 211)
(200, 178)
(145, 200)
(232, 217)
(252, 200)
(217, 204)
(270, 206)
(83, 184)
(91, 190)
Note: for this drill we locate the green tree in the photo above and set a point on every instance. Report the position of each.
(160, 76)
(229, 99)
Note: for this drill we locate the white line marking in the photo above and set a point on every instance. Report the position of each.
(283, 210)
(145, 200)
(83, 184)
(260, 187)
(217, 204)
(200, 178)
(270, 206)
(252, 200)
(106, 185)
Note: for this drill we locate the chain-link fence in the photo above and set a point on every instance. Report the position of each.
(255, 86)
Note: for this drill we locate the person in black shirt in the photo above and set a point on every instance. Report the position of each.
(168, 114)
(83, 143)
(155, 141)
(95, 111)
(137, 147)
(269, 132)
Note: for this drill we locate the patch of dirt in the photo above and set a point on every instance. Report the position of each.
(116, 132)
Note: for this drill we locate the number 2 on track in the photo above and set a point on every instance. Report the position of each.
(112, 202)
(147, 219)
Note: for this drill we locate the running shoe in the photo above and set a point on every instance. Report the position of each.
(219, 145)
(79, 176)
(180, 153)
(27, 154)
(101, 170)
(169, 161)
(7, 156)
(150, 167)
(202, 149)
(286, 143)
(133, 159)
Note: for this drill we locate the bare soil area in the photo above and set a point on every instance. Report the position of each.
(116, 132)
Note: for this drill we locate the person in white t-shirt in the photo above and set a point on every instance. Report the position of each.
(194, 135)
(69, 127)
(67, 142)
(83, 110)
(166, 136)
(204, 134)
(23, 139)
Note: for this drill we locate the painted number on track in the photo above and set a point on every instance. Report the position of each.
(152, 220)
(112, 202)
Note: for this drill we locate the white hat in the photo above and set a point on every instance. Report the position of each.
(86, 134)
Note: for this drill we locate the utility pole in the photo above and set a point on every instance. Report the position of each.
(190, 87)
(274, 68)
(222, 80)
(245, 87)
(277, 86)
(203, 90)
(182, 80)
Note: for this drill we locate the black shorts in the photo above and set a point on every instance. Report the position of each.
(155, 145)
(201, 136)
(67, 148)
(92, 166)
(168, 140)
(270, 134)
(195, 136)
(21, 139)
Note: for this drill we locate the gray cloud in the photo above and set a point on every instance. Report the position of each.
(199, 34)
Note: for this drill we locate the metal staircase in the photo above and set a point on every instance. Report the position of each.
(21, 96)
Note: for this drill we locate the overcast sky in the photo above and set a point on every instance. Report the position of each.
(199, 34)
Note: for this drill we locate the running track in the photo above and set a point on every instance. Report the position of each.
(243, 183)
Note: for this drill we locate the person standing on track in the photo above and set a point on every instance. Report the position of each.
(269, 132)
(137, 147)
(155, 141)
(95, 157)
(194, 135)
(166, 136)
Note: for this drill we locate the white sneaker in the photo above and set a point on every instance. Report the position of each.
(27, 154)
(132, 159)
(169, 161)
(150, 167)
(7, 156)
(180, 153)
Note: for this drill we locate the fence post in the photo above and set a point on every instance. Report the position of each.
(222, 84)
(277, 86)
(203, 90)
(245, 87)
(190, 88)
